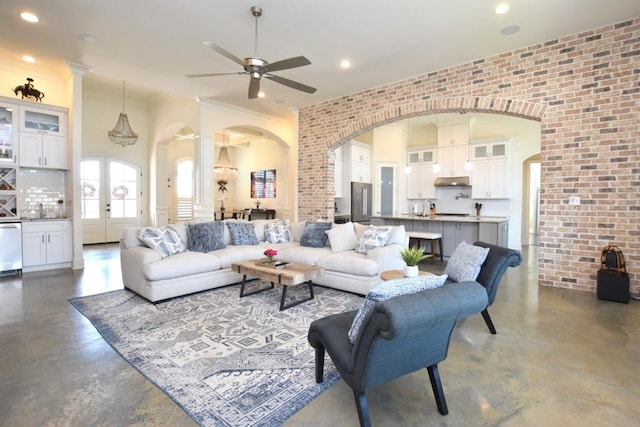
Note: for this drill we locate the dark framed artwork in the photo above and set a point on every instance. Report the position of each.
(263, 184)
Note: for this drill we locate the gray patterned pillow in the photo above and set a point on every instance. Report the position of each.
(242, 233)
(373, 237)
(390, 289)
(164, 240)
(278, 232)
(206, 236)
(314, 235)
(465, 262)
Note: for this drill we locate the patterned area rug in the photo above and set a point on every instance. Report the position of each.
(226, 361)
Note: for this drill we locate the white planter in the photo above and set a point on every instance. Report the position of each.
(411, 271)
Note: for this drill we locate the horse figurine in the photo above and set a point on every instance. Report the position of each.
(28, 90)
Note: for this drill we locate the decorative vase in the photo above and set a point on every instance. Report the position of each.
(411, 271)
(269, 260)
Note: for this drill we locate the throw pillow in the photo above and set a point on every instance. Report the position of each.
(297, 230)
(465, 262)
(373, 237)
(314, 235)
(390, 289)
(206, 236)
(278, 232)
(242, 233)
(342, 237)
(165, 240)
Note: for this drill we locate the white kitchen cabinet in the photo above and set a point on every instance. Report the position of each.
(453, 135)
(420, 182)
(47, 120)
(46, 244)
(455, 232)
(490, 170)
(8, 135)
(421, 177)
(453, 160)
(43, 151)
(422, 156)
(360, 159)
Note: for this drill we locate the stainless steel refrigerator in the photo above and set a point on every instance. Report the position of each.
(361, 196)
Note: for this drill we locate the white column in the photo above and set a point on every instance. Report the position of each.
(204, 209)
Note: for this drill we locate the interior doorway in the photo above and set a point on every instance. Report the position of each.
(110, 198)
(531, 201)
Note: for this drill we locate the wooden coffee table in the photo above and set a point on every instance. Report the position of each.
(292, 275)
(399, 274)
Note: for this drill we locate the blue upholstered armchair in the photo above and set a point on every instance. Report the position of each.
(404, 334)
(497, 262)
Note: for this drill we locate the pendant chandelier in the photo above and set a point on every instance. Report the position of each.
(223, 170)
(122, 134)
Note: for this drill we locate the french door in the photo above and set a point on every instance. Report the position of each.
(110, 198)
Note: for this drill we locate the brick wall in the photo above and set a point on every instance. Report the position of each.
(585, 91)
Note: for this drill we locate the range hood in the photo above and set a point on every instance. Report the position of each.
(452, 181)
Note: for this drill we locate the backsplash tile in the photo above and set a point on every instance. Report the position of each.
(42, 186)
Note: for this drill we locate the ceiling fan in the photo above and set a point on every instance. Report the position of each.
(257, 67)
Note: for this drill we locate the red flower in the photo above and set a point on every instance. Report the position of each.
(270, 252)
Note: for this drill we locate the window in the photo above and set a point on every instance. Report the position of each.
(184, 190)
(263, 184)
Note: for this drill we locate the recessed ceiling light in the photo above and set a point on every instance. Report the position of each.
(345, 63)
(511, 29)
(501, 8)
(261, 94)
(29, 17)
(29, 59)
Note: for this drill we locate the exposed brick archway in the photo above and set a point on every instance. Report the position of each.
(583, 88)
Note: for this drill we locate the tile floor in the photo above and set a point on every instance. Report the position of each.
(561, 358)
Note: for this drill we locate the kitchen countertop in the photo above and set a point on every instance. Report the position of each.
(5, 219)
(446, 218)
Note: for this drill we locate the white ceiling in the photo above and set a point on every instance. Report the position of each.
(152, 44)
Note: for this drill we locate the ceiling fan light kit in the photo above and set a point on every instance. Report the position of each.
(257, 67)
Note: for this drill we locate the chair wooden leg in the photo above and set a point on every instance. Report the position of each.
(363, 409)
(488, 321)
(438, 392)
(319, 364)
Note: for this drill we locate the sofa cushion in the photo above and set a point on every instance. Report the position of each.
(373, 237)
(390, 289)
(242, 233)
(349, 262)
(342, 237)
(236, 253)
(260, 226)
(465, 262)
(130, 237)
(180, 265)
(166, 240)
(398, 236)
(302, 254)
(297, 229)
(314, 235)
(278, 232)
(206, 236)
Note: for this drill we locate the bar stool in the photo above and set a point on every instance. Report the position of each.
(418, 236)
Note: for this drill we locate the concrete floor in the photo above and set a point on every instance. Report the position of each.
(561, 358)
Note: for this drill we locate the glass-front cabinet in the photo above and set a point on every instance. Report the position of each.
(43, 121)
(8, 134)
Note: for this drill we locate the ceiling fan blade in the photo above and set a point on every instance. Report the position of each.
(254, 87)
(285, 64)
(291, 83)
(223, 52)
(214, 74)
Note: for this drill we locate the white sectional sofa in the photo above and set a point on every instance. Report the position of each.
(149, 274)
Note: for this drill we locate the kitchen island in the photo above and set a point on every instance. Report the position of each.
(454, 228)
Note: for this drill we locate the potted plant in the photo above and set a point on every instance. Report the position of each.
(412, 256)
